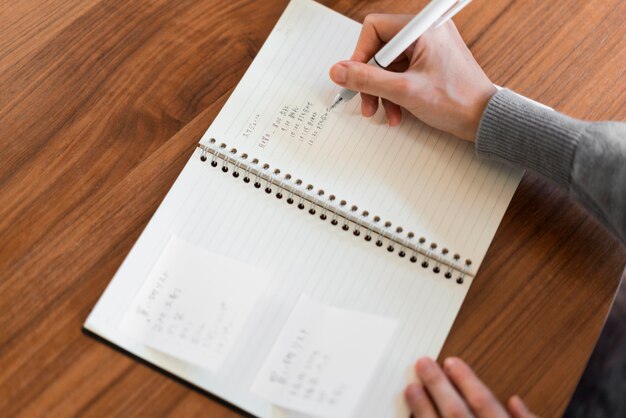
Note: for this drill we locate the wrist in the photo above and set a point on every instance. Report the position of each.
(517, 131)
(475, 111)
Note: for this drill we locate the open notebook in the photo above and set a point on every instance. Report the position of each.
(392, 222)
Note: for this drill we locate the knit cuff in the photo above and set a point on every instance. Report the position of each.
(515, 130)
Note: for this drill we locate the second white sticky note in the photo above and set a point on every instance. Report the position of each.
(193, 304)
(323, 359)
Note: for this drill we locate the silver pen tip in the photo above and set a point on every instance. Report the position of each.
(335, 103)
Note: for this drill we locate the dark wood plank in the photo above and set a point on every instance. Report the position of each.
(101, 104)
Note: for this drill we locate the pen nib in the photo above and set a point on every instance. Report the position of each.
(338, 100)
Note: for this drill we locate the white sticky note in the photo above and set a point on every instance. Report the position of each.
(323, 359)
(193, 304)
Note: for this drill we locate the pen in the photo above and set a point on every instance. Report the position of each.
(434, 14)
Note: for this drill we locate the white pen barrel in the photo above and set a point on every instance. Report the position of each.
(413, 30)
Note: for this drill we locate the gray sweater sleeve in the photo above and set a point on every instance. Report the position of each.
(586, 158)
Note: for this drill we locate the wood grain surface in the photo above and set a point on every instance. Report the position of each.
(103, 101)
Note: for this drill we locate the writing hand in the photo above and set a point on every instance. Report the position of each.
(455, 392)
(436, 78)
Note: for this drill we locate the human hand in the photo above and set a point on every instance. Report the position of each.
(456, 391)
(436, 78)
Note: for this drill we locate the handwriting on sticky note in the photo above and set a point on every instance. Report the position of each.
(193, 304)
(323, 359)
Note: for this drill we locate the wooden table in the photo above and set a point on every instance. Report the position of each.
(101, 104)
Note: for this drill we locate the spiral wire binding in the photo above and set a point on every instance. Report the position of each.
(306, 197)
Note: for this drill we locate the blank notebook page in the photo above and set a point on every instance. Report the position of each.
(413, 176)
(461, 201)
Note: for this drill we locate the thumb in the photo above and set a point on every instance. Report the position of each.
(371, 80)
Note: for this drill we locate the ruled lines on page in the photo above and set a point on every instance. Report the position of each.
(299, 255)
(413, 176)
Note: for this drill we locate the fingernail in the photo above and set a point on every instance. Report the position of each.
(412, 392)
(519, 404)
(339, 73)
(425, 365)
(449, 363)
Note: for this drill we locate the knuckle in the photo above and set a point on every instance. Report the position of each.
(402, 87)
(361, 78)
(456, 411)
(479, 401)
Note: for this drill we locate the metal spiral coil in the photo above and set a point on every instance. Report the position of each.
(394, 241)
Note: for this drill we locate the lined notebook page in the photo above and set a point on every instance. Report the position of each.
(299, 254)
(461, 200)
(414, 176)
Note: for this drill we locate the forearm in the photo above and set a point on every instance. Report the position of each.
(586, 158)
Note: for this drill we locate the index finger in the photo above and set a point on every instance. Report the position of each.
(444, 395)
(478, 396)
(377, 30)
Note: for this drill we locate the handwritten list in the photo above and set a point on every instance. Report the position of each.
(300, 122)
(193, 304)
(323, 359)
